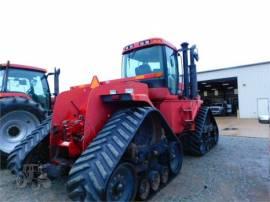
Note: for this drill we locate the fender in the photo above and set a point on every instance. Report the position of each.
(14, 94)
(83, 109)
(99, 107)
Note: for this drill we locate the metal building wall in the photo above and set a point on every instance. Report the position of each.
(253, 83)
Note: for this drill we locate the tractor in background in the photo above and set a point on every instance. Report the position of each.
(25, 101)
(124, 138)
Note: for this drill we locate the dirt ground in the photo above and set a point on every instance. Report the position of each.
(242, 127)
(238, 169)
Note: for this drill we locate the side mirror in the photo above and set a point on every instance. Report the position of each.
(195, 53)
(56, 81)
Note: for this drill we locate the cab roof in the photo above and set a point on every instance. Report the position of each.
(26, 67)
(147, 42)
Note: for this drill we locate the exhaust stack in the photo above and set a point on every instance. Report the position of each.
(189, 70)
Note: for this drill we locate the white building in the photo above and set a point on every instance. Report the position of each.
(246, 87)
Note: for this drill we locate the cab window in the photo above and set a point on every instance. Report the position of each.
(142, 61)
(32, 83)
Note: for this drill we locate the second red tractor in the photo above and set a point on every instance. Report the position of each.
(25, 100)
(124, 138)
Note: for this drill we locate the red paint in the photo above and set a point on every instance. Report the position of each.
(26, 67)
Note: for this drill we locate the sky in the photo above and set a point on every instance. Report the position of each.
(86, 38)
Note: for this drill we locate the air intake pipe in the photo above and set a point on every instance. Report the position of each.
(189, 70)
(193, 54)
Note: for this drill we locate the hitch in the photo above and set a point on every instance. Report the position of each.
(55, 170)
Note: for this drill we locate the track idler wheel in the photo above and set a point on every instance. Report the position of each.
(122, 184)
(154, 178)
(164, 175)
(176, 158)
(144, 189)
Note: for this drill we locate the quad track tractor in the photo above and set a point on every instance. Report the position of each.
(124, 138)
(25, 101)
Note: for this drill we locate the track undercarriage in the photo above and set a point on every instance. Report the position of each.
(134, 155)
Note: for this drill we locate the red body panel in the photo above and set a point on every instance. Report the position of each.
(180, 114)
(89, 108)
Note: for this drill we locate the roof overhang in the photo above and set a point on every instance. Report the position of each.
(146, 43)
(25, 67)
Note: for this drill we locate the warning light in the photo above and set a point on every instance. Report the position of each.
(95, 82)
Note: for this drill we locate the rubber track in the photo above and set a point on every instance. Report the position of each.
(18, 156)
(195, 139)
(89, 175)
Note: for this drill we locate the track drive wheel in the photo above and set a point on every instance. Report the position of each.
(122, 184)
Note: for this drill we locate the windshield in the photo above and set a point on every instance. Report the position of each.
(1, 78)
(32, 83)
(142, 61)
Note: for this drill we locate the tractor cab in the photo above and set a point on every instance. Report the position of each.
(155, 59)
(31, 81)
(155, 62)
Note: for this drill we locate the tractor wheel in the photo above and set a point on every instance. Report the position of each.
(121, 186)
(18, 118)
(206, 135)
(34, 149)
(130, 138)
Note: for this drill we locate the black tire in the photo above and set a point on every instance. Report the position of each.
(14, 123)
(33, 149)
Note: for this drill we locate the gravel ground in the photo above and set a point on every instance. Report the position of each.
(238, 169)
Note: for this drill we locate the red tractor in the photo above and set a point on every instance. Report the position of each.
(25, 100)
(123, 138)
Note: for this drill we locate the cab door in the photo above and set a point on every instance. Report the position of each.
(172, 70)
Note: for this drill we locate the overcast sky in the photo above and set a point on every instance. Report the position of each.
(85, 38)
